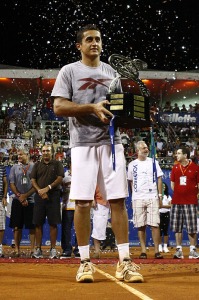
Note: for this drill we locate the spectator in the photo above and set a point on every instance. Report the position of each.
(164, 219)
(185, 186)
(37, 135)
(27, 134)
(183, 109)
(47, 136)
(167, 107)
(3, 204)
(191, 142)
(56, 144)
(3, 148)
(23, 201)
(60, 155)
(191, 108)
(159, 144)
(100, 219)
(47, 177)
(145, 198)
(68, 210)
(176, 108)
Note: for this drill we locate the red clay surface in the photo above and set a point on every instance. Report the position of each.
(25, 278)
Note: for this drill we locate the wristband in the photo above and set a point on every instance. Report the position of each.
(50, 187)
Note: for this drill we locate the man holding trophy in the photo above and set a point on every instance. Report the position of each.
(80, 93)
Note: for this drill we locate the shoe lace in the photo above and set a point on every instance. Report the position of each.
(87, 266)
(131, 266)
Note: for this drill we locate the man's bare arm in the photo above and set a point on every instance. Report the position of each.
(64, 107)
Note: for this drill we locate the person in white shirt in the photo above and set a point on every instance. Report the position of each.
(146, 196)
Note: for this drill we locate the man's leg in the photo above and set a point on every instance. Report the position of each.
(82, 227)
(38, 235)
(119, 220)
(142, 238)
(156, 237)
(126, 270)
(82, 223)
(178, 236)
(97, 244)
(53, 235)
(38, 241)
(192, 238)
(17, 238)
(32, 239)
(67, 221)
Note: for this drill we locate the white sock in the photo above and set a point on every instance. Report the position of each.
(123, 250)
(192, 248)
(84, 252)
(165, 245)
(179, 247)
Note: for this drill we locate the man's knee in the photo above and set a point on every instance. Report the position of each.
(83, 204)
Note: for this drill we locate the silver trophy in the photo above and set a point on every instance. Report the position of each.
(131, 109)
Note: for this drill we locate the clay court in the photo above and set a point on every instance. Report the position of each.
(26, 278)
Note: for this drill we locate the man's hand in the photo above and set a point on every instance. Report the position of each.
(43, 192)
(44, 196)
(4, 202)
(101, 112)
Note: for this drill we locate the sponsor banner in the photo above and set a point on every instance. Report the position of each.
(178, 118)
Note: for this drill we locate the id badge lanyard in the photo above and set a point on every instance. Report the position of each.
(24, 176)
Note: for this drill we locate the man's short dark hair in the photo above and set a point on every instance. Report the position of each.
(185, 150)
(85, 28)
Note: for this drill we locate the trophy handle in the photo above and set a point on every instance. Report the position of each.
(114, 84)
(130, 69)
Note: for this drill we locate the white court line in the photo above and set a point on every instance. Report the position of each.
(125, 286)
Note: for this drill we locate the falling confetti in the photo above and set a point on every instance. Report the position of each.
(42, 35)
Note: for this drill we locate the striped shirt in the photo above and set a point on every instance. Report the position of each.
(2, 174)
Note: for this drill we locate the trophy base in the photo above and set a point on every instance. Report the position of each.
(130, 110)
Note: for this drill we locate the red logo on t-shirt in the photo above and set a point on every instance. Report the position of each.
(92, 83)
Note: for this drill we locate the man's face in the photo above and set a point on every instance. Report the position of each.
(143, 150)
(22, 157)
(46, 153)
(180, 156)
(91, 45)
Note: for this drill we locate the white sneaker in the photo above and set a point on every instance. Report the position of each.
(178, 254)
(160, 248)
(165, 249)
(127, 271)
(37, 253)
(194, 254)
(53, 253)
(85, 272)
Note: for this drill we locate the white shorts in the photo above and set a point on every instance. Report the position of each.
(2, 217)
(92, 166)
(100, 219)
(146, 212)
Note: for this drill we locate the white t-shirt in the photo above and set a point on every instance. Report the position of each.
(84, 85)
(165, 201)
(141, 174)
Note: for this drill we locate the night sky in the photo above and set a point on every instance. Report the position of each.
(164, 33)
